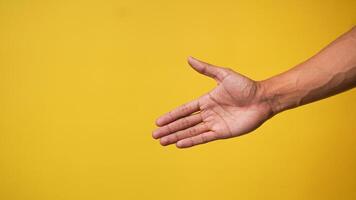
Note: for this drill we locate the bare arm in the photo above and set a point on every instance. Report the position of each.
(239, 105)
(329, 72)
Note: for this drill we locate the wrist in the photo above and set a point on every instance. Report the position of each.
(268, 96)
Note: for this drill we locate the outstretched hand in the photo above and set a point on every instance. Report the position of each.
(235, 107)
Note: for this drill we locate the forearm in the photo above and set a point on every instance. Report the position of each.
(329, 72)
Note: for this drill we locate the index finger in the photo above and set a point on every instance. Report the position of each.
(181, 111)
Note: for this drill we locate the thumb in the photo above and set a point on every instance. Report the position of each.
(217, 73)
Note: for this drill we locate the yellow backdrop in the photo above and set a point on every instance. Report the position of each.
(81, 83)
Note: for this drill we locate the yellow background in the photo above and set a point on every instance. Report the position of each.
(81, 83)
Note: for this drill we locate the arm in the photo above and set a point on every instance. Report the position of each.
(239, 105)
(329, 72)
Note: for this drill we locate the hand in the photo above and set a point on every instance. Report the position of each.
(235, 107)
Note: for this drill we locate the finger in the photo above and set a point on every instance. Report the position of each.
(217, 73)
(198, 139)
(177, 125)
(178, 113)
(190, 132)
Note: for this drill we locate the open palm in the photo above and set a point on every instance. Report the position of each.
(233, 108)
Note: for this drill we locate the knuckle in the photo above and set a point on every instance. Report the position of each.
(228, 69)
(170, 115)
(175, 137)
(215, 137)
(185, 108)
(224, 136)
(203, 69)
(203, 138)
(227, 72)
(191, 131)
(178, 136)
(185, 122)
(192, 141)
(169, 128)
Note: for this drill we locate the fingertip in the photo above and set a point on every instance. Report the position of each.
(163, 141)
(195, 64)
(190, 58)
(158, 133)
(154, 134)
(159, 122)
(180, 144)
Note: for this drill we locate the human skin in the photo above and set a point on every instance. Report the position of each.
(239, 105)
